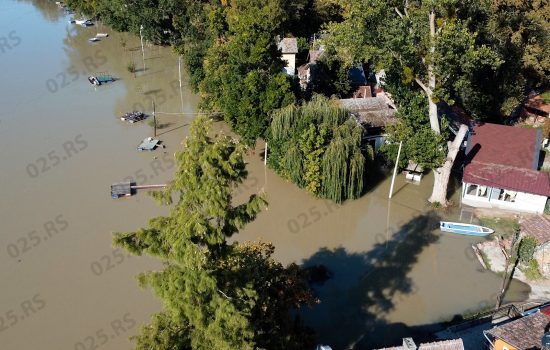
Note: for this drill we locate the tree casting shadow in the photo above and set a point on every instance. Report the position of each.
(359, 289)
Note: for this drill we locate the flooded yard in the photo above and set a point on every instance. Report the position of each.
(62, 144)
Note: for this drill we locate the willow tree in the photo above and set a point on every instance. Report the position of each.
(216, 295)
(317, 146)
(434, 49)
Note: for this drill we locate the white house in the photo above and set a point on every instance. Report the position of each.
(501, 169)
(289, 49)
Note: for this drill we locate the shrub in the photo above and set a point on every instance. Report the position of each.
(532, 270)
(131, 67)
(526, 249)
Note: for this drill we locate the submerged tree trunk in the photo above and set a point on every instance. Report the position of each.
(442, 174)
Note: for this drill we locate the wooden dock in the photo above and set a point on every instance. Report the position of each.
(127, 189)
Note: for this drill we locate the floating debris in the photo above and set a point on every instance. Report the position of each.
(134, 116)
(101, 78)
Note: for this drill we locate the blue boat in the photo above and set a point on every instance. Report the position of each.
(465, 229)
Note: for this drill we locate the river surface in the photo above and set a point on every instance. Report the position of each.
(61, 146)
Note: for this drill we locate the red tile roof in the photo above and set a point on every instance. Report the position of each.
(545, 310)
(538, 227)
(506, 177)
(524, 333)
(506, 157)
(505, 145)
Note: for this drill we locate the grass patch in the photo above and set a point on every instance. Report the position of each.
(504, 226)
(546, 96)
(531, 271)
(547, 207)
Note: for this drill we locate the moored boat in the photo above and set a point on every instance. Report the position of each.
(465, 229)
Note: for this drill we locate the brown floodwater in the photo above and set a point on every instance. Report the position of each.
(62, 144)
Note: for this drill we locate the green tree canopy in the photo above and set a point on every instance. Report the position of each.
(319, 147)
(216, 295)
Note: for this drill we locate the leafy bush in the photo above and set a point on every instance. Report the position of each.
(532, 270)
(526, 249)
(131, 67)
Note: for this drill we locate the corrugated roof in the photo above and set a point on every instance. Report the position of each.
(373, 111)
(538, 227)
(288, 45)
(506, 157)
(524, 333)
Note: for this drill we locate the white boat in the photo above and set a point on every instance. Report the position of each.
(465, 229)
(84, 22)
(101, 35)
(93, 40)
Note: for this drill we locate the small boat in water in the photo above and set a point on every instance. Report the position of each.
(465, 229)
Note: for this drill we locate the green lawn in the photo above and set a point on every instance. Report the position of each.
(502, 226)
(546, 96)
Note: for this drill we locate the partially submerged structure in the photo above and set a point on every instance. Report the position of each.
(148, 144)
(127, 189)
(501, 169)
(374, 114)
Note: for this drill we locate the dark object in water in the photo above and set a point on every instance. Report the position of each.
(134, 116)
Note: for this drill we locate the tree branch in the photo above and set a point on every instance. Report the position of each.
(399, 13)
(426, 89)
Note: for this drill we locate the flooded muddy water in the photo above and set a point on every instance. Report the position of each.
(62, 144)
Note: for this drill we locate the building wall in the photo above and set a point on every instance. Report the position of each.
(500, 345)
(290, 58)
(524, 202)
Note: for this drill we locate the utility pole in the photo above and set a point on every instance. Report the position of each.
(395, 168)
(154, 120)
(141, 38)
(179, 77)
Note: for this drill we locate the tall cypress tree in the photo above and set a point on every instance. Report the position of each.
(216, 295)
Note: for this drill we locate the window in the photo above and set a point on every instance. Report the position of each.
(471, 190)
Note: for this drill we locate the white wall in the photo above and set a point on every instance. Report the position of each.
(290, 58)
(524, 202)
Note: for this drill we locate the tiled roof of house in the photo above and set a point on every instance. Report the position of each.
(506, 157)
(524, 333)
(454, 344)
(508, 177)
(373, 111)
(537, 227)
(505, 145)
(288, 45)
